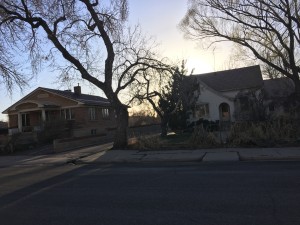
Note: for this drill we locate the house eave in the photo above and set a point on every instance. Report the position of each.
(239, 89)
(77, 101)
(6, 111)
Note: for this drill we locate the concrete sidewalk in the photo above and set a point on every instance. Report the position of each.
(101, 154)
(203, 155)
(52, 158)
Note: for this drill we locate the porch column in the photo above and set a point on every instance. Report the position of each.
(20, 122)
(43, 115)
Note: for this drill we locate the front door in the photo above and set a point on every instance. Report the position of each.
(224, 109)
(25, 122)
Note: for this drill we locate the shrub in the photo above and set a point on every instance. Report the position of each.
(55, 129)
(9, 144)
(202, 138)
(147, 143)
(206, 124)
(178, 120)
(264, 134)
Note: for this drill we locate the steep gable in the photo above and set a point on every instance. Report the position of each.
(231, 80)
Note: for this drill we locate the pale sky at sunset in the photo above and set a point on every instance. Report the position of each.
(158, 18)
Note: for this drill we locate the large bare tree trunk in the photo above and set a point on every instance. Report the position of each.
(95, 22)
(121, 138)
(297, 88)
(269, 30)
(164, 126)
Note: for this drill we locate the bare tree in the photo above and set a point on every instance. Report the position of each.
(164, 90)
(270, 30)
(9, 75)
(87, 37)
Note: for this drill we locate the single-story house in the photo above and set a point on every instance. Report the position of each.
(276, 96)
(234, 95)
(73, 114)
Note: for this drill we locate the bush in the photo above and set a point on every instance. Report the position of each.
(206, 124)
(55, 129)
(203, 138)
(178, 121)
(9, 144)
(147, 143)
(264, 134)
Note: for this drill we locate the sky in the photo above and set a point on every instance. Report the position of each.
(157, 18)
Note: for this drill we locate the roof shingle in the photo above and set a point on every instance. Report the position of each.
(83, 98)
(235, 79)
(280, 87)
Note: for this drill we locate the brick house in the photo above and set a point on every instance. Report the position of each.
(67, 113)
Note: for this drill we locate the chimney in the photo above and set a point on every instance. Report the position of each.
(77, 90)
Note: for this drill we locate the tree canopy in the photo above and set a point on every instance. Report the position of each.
(85, 37)
(165, 90)
(270, 30)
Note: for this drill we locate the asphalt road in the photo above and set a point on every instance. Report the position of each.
(190, 193)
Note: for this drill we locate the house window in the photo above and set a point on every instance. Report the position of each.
(201, 111)
(105, 113)
(25, 120)
(93, 131)
(67, 114)
(92, 113)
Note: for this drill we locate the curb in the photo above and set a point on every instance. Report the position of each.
(249, 159)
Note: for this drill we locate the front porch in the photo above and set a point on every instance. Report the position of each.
(31, 128)
(32, 121)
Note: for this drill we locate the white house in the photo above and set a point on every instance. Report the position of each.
(215, 94)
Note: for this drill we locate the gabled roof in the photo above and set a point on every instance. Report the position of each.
(280, 87)
(234, 79)
(82, 99)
